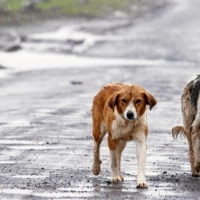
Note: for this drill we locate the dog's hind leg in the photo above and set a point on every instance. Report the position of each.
(196, 147)
(196, 140)
(197, 154)
(99, 132)
(191, 156)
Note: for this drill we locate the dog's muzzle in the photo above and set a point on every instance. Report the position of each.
(130, 115)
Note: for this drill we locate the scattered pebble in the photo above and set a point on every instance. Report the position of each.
(76, 82)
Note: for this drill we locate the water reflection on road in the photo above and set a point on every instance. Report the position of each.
(46, 96)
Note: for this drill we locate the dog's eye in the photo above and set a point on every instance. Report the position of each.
(137, 101)
(123, 100)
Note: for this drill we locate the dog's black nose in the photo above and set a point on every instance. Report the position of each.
(130, 115)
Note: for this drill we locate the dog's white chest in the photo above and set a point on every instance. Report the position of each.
(122, 131)
(127, 130)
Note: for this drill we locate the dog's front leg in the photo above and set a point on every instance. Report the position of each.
(115, 168)
(116, 148)
(141, 161)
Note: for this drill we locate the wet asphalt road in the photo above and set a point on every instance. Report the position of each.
(46, 143)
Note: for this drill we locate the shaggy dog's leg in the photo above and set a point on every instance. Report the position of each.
(196, 146)
(196, 138)
(191, 154)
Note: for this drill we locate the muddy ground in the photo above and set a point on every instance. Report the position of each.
(46, 142)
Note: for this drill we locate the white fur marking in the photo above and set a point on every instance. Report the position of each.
(119, 126)
(115, 173)
(192, 79)
(122, 127)
(141, 158)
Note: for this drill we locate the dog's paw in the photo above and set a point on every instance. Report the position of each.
(197, 167)
(195, 170)
(96, 168)
(117, 179)
(142, 185)
(195, 174)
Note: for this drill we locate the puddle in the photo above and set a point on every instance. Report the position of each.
(155, 158)
(21, 59)
(35, 147)
(46, 194)
(17, 122)
(66, 39)
(77, 189)
(31, 176)
(72, 194)
(13, 137)
(69, 134)
(185, 167)
(6, 73)
(21, 142)
(7, 162)
(42, 112)
(15, 191)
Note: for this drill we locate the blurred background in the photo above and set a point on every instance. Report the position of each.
(55, 55)
(80, 27)
(17, 12)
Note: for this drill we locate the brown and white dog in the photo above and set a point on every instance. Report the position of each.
(120, 110)
(190, 102)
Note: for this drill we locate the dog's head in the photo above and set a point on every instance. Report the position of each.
(131, 102)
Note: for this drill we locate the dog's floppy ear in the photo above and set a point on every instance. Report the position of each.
(113, 100)
(150, 99)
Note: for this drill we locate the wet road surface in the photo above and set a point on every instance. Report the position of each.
(46, 143)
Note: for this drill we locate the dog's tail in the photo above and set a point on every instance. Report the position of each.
(178, 130)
